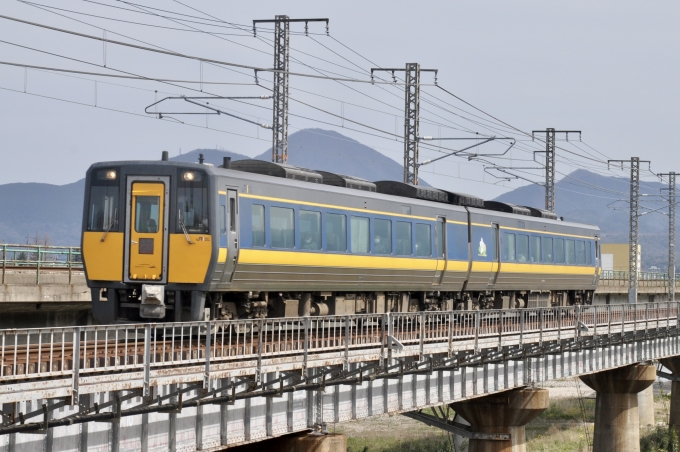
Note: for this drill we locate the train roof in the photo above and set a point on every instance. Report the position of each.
(420, 194)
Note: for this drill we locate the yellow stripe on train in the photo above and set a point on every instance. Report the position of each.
(296, 258)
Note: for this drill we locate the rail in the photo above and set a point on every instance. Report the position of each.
(40, 257)
(75, 353)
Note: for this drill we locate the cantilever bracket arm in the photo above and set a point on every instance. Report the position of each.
(214, 111)
(469, 155)
(503, 169)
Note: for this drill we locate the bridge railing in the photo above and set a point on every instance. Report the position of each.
(81, 351)
(40, 257)
(642, 276)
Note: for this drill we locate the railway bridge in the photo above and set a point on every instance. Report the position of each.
(211, 385)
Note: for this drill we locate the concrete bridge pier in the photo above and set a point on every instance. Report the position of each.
(508, 412)
(646, 407)
(673, 364)
(617, 419)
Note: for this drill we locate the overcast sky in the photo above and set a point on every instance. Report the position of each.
(607, 68)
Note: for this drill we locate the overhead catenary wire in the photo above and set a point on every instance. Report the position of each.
(580, 156)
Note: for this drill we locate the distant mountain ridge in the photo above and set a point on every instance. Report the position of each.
(323, 150)
(56, 210)
(582, 196)
(592, 198)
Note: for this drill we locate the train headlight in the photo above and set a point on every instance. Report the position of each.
(111, 174)
(189, 176)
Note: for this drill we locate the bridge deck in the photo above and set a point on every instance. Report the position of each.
(244, 381)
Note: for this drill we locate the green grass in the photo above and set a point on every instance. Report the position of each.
(558, 429)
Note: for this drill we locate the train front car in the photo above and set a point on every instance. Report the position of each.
(148, 240)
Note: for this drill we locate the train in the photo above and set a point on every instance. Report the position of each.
(179, 242)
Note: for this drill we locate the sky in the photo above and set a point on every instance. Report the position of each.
(606, 68)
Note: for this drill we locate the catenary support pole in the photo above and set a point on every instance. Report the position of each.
(280, 85)
(411, 116)
(671, 234)
(550, 163)
(633, 240)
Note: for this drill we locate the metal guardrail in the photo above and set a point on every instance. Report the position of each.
(77, 352)
(40, 257)
(642, 276)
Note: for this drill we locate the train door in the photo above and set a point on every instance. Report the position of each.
(440, 249)
(495, 256)
(228, 233)
(146, 229)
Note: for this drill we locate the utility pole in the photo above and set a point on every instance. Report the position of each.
(280, 87)
(550, 163)
(633, 240)
(671, 234)
(411, 116)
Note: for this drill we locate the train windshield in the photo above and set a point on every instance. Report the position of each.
(103, 205)
(192, 203)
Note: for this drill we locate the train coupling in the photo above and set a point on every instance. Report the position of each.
(153, 302)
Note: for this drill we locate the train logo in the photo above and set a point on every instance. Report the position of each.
(481, 251)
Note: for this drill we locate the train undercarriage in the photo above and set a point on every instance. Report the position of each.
(136, 305)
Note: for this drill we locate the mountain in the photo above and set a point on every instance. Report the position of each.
(52, 212)
(587, 197)
(320, 149)
(327, 150)
(55, 211)
(213, 156)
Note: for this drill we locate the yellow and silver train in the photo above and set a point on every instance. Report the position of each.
(177, 241)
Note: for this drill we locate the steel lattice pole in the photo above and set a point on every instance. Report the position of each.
(280, 121)
(411, 123)
(550, 170)
(633, 237)
(671, 236)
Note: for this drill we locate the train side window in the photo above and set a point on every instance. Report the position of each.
(336, 232)
(439, 237)
(423, 240)
(589, 253)
(310, 230)
(360, 230)
(580, 252)
(570, 254)
(535, 248)
(547, 250)
(282, 225)
(223, 219)
(382, 236)
(232, 211)
(258, 225)
(559, 251)
(508, 247)
(522, 248)
(404, 239)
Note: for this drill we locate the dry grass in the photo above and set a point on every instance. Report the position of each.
(559, 429)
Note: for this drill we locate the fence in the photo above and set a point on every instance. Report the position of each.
(40, 257)
(77, 352)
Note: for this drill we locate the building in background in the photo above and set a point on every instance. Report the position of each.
(615, 256)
